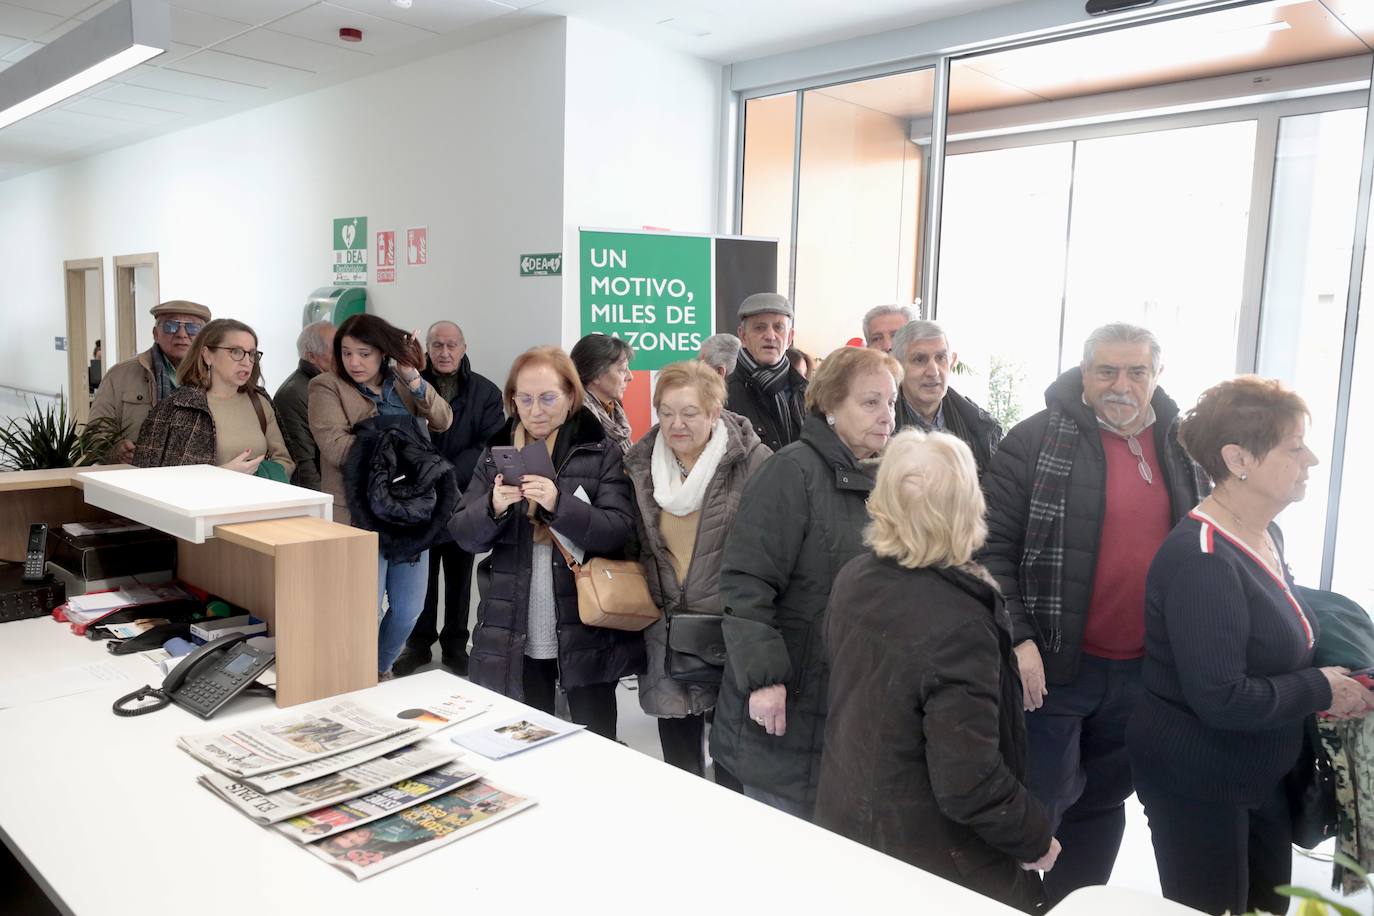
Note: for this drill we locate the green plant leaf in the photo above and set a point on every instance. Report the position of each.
(1289, 890)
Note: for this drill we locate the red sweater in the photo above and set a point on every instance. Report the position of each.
(1135, 524)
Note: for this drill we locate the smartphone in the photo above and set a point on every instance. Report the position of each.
(1365, 676)
(509, 464)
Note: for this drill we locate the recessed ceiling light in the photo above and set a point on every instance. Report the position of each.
(401, 4)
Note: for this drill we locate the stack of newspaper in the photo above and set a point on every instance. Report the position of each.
(360, 789)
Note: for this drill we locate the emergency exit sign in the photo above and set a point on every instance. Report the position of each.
(541, 265)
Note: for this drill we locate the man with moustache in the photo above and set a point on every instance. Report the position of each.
(1080, 496)
(131, 389)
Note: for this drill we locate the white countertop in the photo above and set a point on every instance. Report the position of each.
(188, 501)
(107, 813)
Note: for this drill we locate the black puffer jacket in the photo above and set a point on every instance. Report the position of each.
(1008, 485)
(398, 485)
(965, 419)
(925, 744)
(801, 518)
(584, 458)
(745, 399)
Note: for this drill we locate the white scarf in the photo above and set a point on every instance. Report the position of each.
(683, 497)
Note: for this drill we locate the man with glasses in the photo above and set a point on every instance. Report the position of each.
(1080, 496)
(131, 388)
(477, 416)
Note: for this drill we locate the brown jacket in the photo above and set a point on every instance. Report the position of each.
(336, 405)
(126, 394)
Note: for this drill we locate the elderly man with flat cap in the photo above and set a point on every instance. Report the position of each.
(131, 388)
(765, 388)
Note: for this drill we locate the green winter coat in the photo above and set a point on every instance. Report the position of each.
(800, 520)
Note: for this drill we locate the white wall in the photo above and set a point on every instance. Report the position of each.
(641, 144)
(469, 143)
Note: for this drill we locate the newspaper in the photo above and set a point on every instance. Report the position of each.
(427, 720)
(316, 825)
(512, 736)
(321, 731)
(331, 789)
(409, 834)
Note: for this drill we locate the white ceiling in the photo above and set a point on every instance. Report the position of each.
(231, 55)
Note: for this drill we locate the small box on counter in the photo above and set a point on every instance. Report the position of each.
(218, 627)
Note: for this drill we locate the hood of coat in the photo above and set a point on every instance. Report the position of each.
(1066, 393)
(850, 472)
(740, 438)
(191, 397)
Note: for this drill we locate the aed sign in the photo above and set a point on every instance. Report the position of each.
(541, 265)
(350, 251)
(652, 290)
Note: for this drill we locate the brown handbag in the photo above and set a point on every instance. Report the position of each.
(611, 593)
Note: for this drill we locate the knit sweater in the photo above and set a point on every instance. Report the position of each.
(1228, 669)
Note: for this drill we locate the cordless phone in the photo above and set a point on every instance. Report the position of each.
(36, 554)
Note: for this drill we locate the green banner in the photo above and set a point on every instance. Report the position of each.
(652, 290)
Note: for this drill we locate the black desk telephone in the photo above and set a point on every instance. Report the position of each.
(205, 680)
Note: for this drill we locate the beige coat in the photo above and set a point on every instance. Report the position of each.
(336, 405)
(126, 394)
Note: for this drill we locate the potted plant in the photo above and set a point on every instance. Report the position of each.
(48, 438)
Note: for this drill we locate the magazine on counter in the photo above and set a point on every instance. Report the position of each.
(320, 731)
(371, 849)
(426, 720)
(331, 789)
(514, 735)
(316, 825)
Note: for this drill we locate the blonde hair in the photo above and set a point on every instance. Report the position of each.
(561, 365)
(926, 508)
(830, 383)
(692, 374)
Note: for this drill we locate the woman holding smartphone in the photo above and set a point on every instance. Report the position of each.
(529, 638)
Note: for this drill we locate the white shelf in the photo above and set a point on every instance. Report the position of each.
(188, 501)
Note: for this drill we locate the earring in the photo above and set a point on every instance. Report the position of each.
(831, 420)
(1244, 476)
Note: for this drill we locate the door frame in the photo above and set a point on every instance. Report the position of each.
(126, 323)
(78, 361)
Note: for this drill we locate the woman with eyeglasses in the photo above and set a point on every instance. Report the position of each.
(376, 375)
(529, 638)
(218, 413)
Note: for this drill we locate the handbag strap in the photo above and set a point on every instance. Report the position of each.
(257, 408)
(567, 557)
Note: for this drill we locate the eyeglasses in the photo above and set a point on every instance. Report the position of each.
(172, 326)
(1142, 465)
(237, 354)
(548, 400)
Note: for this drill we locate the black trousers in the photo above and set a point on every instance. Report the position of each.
(1078, 769)
(1215, 856)
(593, 706)
(453, 641)
(681, 740)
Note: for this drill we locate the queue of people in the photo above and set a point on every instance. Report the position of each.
(878, 612)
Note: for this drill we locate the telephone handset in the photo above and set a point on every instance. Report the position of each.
(206, 679)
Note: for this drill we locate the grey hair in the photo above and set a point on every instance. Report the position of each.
(879, 311)
(720, 351)
(429, 335)
(311, 339)
(914, 332)
(1121, 332)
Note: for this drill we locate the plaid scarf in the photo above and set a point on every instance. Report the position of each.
(164, 374)
(1042, 551)
(772, 380)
